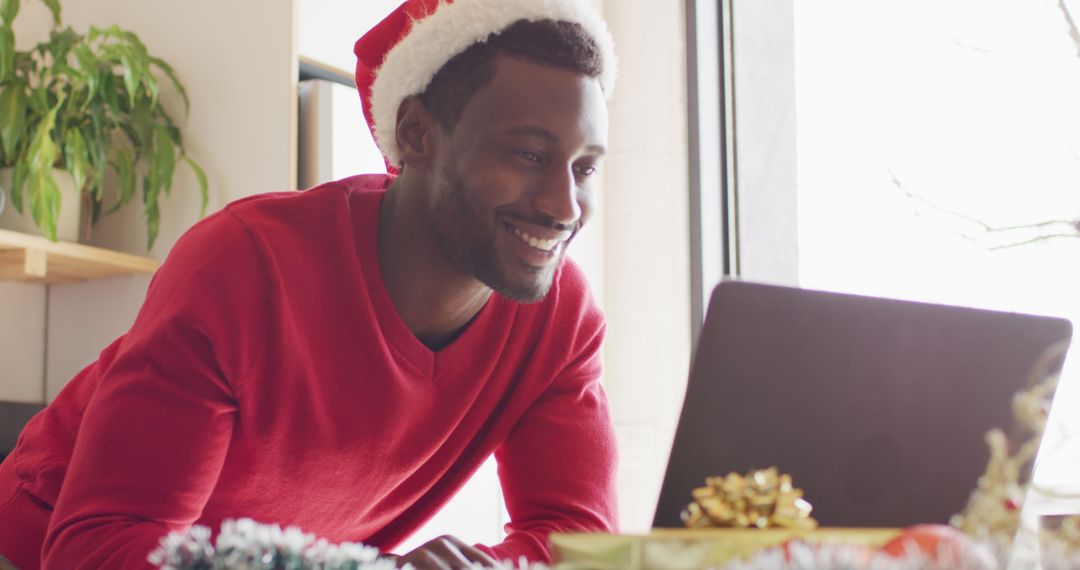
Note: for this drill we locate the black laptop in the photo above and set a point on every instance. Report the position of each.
(878, 408)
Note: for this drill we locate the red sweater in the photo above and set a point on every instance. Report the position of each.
(267, 375)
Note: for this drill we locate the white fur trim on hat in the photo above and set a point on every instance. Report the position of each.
(411, 64)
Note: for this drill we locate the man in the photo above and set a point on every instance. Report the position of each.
(343, 359)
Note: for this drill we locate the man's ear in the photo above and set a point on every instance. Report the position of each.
(415, 133)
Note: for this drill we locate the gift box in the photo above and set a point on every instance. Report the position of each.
(686, 549)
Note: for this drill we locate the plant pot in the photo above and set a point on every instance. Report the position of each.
(68, 225)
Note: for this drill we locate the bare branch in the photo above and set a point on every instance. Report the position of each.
(1037, 239)
(1016, 235)
(1074, 34)
(987, 227)
(1037, 225)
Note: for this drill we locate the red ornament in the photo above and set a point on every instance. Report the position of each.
(936, 540)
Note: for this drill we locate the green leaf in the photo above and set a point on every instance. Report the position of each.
(87, 61)
(142, 120)
(54, 7)
(62, 69)
(202, 184)
(12, 117)
(76, 100)
(61, 42)
(39, 101)
(125, 168)
(18, 180)
(43, 150)
(45, 202)
(129, 131)
(24, 63)
(112, 98)
(174, 133)
(98, 143)
(133, 39)
(154, 87)
(75, 157)
(153, 216)
(131, 82)
(112, 53)
(137, 50)
(168, 70)
(140, 60)
(165, 157)
(8, 10)
(7, 53)
(43, 190)
(91, 71)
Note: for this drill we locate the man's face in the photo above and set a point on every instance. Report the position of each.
(514, 178)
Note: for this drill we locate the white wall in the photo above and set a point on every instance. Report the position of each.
(22, 342)
(646, 246)
(329, 28)
(238, 64)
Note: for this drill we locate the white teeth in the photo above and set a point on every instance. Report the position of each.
(541, 244)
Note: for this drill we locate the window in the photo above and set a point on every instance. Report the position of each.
(936, 149)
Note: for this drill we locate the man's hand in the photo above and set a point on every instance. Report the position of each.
(446, 553)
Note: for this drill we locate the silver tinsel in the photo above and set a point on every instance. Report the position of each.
(247, 545)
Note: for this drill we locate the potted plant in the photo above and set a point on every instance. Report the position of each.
(86, 104)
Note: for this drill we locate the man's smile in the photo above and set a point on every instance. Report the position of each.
(541, 239)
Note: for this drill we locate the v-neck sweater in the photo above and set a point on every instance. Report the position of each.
(268, 375)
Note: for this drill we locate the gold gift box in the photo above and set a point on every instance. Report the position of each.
(690, 549)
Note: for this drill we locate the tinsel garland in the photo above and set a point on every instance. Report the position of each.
(247, 545)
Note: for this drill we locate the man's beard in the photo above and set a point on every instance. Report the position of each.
(469, 239)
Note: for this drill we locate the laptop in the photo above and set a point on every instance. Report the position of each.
(878, 408)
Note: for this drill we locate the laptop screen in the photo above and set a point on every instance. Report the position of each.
(878, 408)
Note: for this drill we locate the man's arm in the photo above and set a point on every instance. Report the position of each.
(557, 467)
(156, 432)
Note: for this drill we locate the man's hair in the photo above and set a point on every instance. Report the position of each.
(564, 45)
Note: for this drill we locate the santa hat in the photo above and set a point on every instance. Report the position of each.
(401, 55)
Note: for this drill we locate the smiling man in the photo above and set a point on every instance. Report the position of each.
(343, 359)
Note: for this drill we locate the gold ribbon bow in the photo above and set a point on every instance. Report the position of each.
(761, 499)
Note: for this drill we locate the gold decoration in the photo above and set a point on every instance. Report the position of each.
(761, 499)
(993, 510)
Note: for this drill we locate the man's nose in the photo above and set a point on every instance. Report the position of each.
(558, 197)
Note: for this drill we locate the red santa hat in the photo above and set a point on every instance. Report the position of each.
(401, 55)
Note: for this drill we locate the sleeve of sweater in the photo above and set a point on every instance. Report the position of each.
(156, 431)
(557, 467)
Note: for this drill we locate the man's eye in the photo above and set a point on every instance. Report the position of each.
(585, 170)
(530, 156)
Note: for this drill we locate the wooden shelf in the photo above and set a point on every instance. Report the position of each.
(35, 259)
